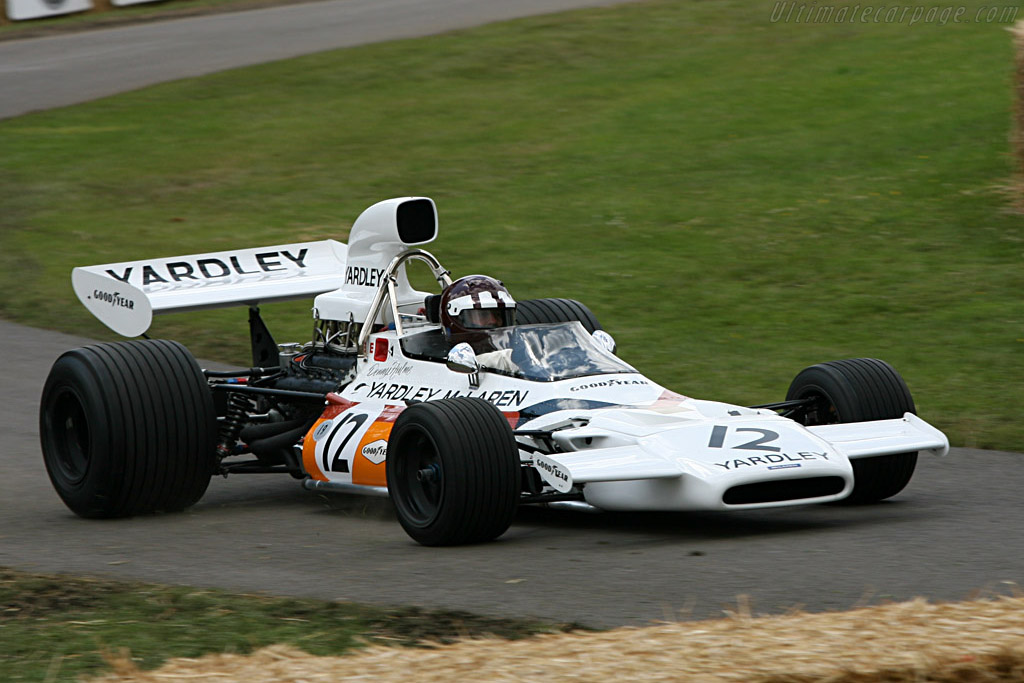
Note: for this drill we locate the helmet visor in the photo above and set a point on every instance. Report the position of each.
(487, 318)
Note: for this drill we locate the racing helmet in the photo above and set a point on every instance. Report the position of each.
(473, 304)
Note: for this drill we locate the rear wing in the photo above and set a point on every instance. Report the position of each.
(125, 296)
(344, 278)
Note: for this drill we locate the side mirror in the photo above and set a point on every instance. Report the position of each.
(604, 340)
(462, 359)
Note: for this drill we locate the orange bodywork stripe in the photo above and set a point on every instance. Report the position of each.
(336, 407)
(363, 470)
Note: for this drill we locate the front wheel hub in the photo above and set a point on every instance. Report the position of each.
(429, 474)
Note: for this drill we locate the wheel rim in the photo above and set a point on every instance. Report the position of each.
(419, 477)
(70, 433)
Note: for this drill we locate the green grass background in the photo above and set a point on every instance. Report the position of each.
(735, 198)
(61, 628)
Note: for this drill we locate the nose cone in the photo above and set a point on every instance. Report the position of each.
(748, 462)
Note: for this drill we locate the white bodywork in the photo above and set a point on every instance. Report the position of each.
(649, 449)
(620, 440)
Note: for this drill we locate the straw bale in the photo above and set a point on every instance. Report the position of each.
(980, 640)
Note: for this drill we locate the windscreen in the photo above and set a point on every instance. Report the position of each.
(546, 353)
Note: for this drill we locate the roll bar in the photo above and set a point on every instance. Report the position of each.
(389, 285)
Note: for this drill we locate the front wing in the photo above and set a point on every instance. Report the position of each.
(679, 468)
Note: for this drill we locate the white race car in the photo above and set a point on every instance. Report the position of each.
(382, 402)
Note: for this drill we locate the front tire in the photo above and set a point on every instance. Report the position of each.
(535, 311)
(453, 471)
(127, 428)
(859, 390)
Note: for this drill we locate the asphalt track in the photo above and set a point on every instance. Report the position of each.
(43, 73)
(957, 531)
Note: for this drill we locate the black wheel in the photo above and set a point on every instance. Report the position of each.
(859, 390)
(128, 428)
(453, 471)
(534, 311)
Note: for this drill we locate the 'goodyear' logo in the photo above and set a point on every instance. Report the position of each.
(376, 451)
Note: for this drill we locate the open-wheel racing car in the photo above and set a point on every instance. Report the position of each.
(531, 408)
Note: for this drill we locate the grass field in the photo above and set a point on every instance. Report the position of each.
(735, 198)
(59, 628)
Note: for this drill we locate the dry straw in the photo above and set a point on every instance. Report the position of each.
(912, 641)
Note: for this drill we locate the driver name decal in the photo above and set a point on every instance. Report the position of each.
(775, 461)
(394, 369)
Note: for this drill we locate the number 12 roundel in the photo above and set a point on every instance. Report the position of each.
(330, 448)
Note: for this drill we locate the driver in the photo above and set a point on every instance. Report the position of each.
(472, 305)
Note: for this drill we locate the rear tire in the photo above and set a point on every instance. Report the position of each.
(536, 311)
(453, 471)
(859, 390)
(128, 428)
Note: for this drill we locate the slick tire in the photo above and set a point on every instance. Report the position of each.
(128, 428)
(536, 311)
(859, 390)
(453, 472)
